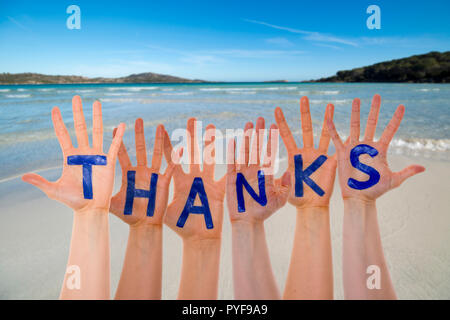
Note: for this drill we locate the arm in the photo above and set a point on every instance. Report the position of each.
(196, 215)
(253, 277)
(86, 186)
(89, 251)
(310, 273)
(141, 276)
(362, 249)
(200, 269)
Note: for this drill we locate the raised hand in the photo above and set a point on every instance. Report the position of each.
(316, 188)
(313, 172)
(250, 167)
(75, 188)
(138, 213)
(354, 182)
(196, 215)
(252, 272)
(142, 202)
(197, 226)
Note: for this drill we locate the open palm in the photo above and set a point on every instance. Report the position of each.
(324, 176)
(143, 175)
(387, 179)
(249, 164)
(69, 188)
(195, 227)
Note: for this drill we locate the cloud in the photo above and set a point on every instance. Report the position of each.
(308, 35)
(17, 23)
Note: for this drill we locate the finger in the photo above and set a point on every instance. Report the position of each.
(372, 120)
(139, 137)
(61, 131)
(243, 158)
(158, 148)
(334, 135)
(193, 148)
(124, 159)
(79, 123)
(115, 145)
(392, 126)
(399, 177)
(97, 127)
(285, 132)
(325, 136)
(231, 156)
(167, 147)
(36, 180)
(355, 120)
(284, 185)
(209, 153)
(272, 147)
(305, 115)
(173, 165)
(260, 126)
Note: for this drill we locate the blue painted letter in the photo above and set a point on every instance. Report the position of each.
(374, 175)
(197, 188)
(303, 175)
(241, 182)
(132, 193)
(87, 162)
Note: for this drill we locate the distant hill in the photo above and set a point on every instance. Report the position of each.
(37, 78)
(430, 67)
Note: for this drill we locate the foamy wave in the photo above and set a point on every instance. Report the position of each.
(46, 89)
(318, 92)
(337, 102)
(136, 89)
(184, 93)
(5, 90)
(119, 94)
(427, 90)
(21, 90)
(423, 144)
(18, 95)
(85, 90)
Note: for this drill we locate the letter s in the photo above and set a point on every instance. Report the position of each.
(374, 175)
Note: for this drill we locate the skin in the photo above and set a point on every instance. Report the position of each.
(142, 269)
(362, 242)
(310, 274)
(201, 246)
(252, 272)
(89, 248)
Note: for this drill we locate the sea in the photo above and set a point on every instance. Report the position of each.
(28, 142)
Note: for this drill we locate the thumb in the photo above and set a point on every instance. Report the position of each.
(286, 180)
(399, 177)
(36, 180)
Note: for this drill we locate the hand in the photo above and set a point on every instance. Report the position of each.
(69, 188)
(387, 179)
(325, 174)
(277, 191)
(195, 226)
(143, 176)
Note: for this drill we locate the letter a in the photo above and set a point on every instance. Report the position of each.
(197, 188)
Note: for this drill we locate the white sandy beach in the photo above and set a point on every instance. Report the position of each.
(414, 220)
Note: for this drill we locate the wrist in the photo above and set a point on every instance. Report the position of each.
(350, 203)
(207, 244)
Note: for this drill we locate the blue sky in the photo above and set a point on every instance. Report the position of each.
(216, 40)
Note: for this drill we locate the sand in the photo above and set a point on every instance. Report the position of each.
(414, 220)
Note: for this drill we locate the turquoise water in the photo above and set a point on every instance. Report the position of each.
(27, 140)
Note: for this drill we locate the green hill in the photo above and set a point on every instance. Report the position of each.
(37, 78)
(430, 67)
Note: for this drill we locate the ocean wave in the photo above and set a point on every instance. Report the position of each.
(335, 102)
(428, 90)
(85, 90)
(119, 94)
(18, 95)
(183, 93)
(136, 89)
(440, 145)
(5, 90)
(46, 89)
(319, 92)
(22, 89)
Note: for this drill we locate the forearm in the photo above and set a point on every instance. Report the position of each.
(141, 276)
(362, 248)
(200, 269)
(310, 273)
(252, 272)
(88, 258)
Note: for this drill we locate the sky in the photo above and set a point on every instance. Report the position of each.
(216, 40)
